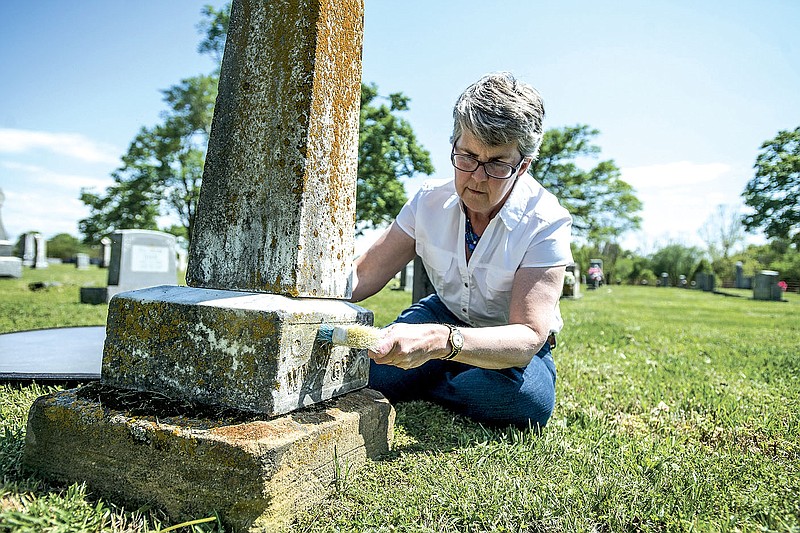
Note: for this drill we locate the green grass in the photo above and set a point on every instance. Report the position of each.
(677, 410)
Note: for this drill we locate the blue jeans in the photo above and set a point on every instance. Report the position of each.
(520, 397)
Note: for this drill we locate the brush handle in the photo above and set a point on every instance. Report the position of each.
(339, 336)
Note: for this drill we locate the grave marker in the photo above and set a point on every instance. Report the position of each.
(82, 261)
(269, 262)
(28, 249)
(40, 260)
(139, 259)
(10, 266)
(765, 286)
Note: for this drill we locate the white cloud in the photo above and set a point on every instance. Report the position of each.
(677, 174)
(70, 144)
(37, 175)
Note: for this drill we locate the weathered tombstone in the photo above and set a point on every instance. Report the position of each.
(10, 266)
(28, 249)
(705, 281)
(139, 259)
(105, 254)
(275, 222)
(82, 261)
(571, 288)
(40, 260)
(765, 286)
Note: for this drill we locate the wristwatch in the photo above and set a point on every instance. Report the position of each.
(456, 341)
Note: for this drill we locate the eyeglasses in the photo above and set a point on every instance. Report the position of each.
(494, 169)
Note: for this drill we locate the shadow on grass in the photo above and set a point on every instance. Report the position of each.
(422, 426)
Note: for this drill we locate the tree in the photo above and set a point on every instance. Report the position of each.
(676, 260)
(65, 246)
(602, 205)
(387, 150)
(774, 192)
(162, 170)
(722, 231)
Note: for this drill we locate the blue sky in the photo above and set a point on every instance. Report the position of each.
(684, 93)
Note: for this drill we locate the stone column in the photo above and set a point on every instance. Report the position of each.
(28, 250)
(40, 260)
(105, 262)
(275, 222)
(277, 206)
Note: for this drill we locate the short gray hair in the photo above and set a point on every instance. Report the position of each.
(499, 109)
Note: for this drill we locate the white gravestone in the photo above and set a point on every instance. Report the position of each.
(139, 259)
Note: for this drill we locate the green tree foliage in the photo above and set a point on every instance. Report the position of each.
(162, 170)
(774, 192)
(602, 205)
(65, 246)
(676, 260)
(388, 150)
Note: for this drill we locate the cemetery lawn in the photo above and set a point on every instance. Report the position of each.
(676, 410)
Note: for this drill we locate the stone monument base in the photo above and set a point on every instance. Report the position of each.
(255, 473)
(249, 351)
(10, 267)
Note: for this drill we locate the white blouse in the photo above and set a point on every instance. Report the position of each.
(531, 230)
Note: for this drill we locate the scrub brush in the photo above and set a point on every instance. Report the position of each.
(352, 335)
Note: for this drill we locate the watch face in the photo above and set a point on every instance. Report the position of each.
(457, 339)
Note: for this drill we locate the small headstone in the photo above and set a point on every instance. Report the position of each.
(765, 286)
(572, 286)
(28, 249)
(10, 266)
(139, 259)
(105, 254)
(705, 281)
(82, 261)
(40, 260)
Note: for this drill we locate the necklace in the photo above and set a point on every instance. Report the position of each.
(470, 237)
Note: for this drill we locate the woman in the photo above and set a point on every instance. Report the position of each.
(494, 244)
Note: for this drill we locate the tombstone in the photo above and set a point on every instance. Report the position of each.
(10, 266)
(40, 260)
(705, 281)
(765, 286)
(105, 254)
(27, 249)
(572, 286)
(82, 261)
(139, 258)
(269, 262)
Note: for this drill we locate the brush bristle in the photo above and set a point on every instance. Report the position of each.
(356, 336)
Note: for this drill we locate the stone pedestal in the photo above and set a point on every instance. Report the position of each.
(10, 267)
(255, 473)
(249, 351)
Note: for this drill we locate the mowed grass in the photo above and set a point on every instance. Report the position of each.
(677, 410)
